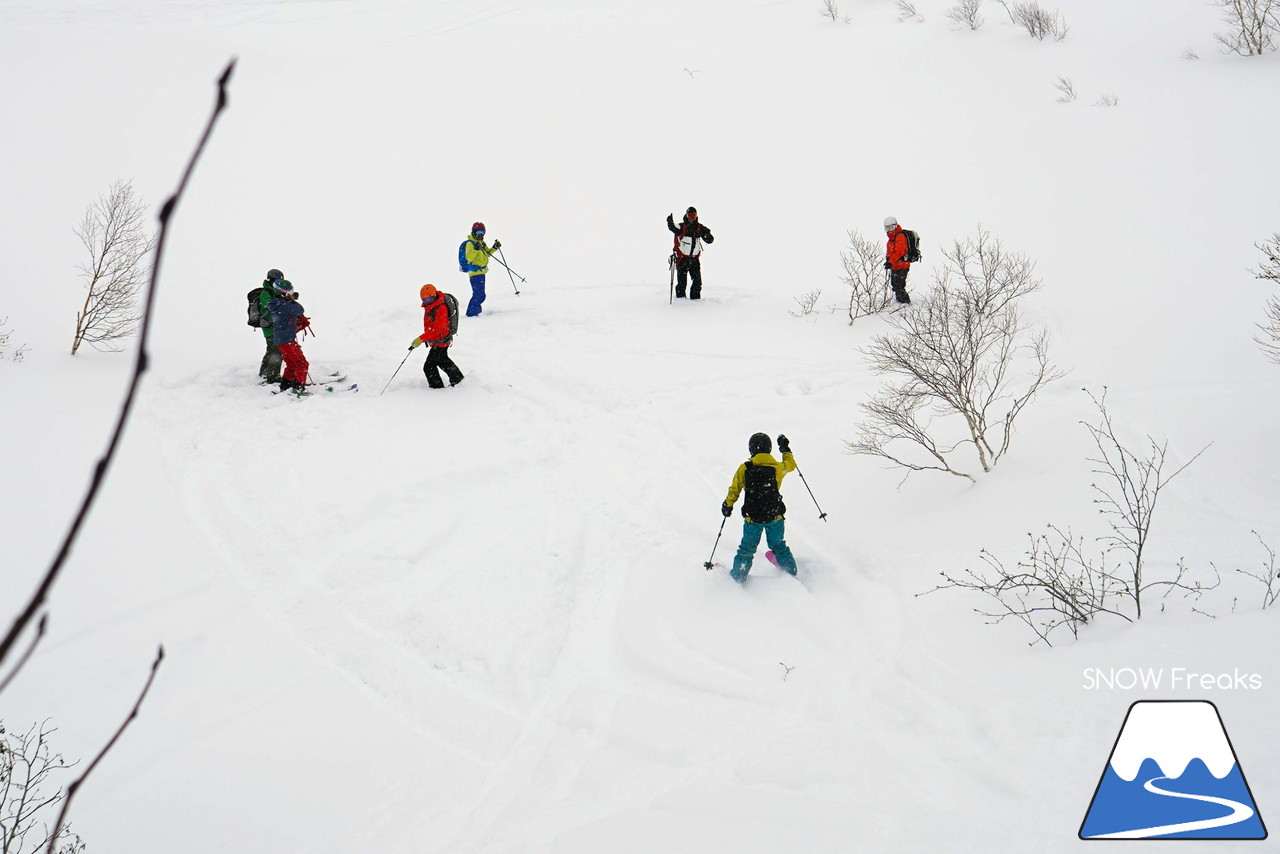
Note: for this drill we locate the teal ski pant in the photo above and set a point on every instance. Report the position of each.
(775, 534)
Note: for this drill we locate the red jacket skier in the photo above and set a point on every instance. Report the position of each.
(895, 259)
(437, 332)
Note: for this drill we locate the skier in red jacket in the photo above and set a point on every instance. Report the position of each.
(437, 333)
(895, 259)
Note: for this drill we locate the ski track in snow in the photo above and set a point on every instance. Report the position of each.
(550, 677)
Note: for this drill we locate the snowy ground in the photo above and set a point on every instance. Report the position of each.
(477, 619)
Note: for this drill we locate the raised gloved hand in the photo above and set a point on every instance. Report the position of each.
(784, 444)
(726, 510)
(497, 244)
(416, 343)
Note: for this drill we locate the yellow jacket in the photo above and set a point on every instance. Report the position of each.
(739, 483)
(473, 256)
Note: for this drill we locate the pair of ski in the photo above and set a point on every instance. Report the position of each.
(769, 556)
(333, 382)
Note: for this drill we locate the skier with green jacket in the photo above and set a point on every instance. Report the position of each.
(269, 370)
(473, 259)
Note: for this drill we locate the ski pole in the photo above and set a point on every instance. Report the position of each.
(671, 288)
(821, 515)
(709, 564)
(393, 376)
(510, 272)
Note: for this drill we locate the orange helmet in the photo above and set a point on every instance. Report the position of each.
(428, 292)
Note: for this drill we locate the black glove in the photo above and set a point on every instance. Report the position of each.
(784, 444)
(671, 219)
(497, 244)
(887, 266)
(726, 510)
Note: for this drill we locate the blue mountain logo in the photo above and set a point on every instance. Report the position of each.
(1173, 774)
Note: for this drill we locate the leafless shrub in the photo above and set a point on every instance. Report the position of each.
(1254, 26)
(864, 273)
(1066, 92)
(1107, 100)
(1190, 53)
(5, 334)
(907, 11)
(29, 791)
(951, 361)
(830, 9)
(114, 234)
(1059, 581)
(1131, 487)
(967, 12)
(1035, 19)
(1269, 332)
(1268, 575)
(806, 303)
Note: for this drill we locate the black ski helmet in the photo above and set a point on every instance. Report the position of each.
(274, 275)
(759, 443)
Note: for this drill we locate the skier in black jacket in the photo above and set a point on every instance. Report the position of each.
(690, 235)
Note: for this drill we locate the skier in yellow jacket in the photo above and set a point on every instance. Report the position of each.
(762, 510)
(473, 259)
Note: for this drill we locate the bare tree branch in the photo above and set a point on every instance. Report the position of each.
(35, 641)
(75, 787)
(140, 366)
(1268, 575)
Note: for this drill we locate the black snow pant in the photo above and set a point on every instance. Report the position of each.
(898, 280)
(269, 370)
(689, 267)
(438, 360)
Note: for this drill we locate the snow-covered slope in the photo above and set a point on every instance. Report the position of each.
(477, 619)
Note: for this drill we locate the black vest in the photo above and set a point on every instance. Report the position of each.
(763, 502)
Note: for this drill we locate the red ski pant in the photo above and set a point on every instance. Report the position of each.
(295, 364)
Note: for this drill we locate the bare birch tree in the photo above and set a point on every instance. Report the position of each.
(953, 362)
(864, 273)
(1254, 26)
(118, 243)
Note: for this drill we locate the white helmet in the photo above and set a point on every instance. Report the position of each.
(890, 222)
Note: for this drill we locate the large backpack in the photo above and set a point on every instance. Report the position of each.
(763, 502)
(913, 246)
(451, 303)
(257, 319)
